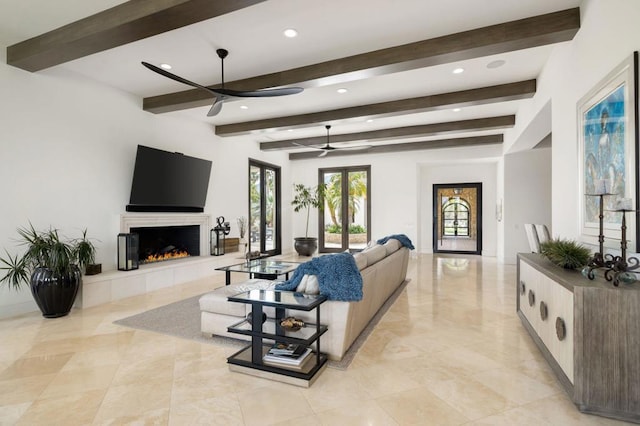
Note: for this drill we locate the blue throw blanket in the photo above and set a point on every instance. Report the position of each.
(338, 277)
(404, 240)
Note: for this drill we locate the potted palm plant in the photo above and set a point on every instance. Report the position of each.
(306, 197)
(51, 266)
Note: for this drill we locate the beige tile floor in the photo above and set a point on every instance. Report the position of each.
(451, 351)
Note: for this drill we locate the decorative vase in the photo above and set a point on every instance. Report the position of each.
(306, 246)
(55, 293)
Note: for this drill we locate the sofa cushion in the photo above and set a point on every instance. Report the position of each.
(375, 254)
(392, 246)
(361, 260)
(308, 284)
(216, 301)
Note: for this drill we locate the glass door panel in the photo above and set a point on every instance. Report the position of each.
(457, 220)
(347, 212)
(264, 208)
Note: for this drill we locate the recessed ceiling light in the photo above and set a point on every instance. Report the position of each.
(342, 90)
(370, 120)
(289, 130)
(496, 64)
(165, 66)
(456, 109)
(290, 32)
(244, 107)
(458, 70)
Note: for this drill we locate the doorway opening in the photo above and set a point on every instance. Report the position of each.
(457, 218)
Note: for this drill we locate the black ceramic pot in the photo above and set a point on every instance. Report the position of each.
(305, 246)
(55, 293)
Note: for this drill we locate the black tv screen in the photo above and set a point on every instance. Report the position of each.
(168, 182)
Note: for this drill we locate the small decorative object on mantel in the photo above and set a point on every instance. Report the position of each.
(242, 229)
(292, 324)
(565, 253)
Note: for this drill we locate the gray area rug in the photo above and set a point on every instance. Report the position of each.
(182, 319)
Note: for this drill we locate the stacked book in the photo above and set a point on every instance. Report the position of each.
(288, 355)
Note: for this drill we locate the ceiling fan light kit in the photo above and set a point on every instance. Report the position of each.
(221, 94)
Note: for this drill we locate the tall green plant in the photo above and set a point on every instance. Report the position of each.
(45, 249)
(306, 197)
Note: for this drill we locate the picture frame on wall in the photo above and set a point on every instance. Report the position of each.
(608, 156)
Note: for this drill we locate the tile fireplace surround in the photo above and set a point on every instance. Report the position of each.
(115, 285)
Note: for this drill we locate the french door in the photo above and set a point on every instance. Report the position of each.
(457, 218)
(264, 208)
(344, 222)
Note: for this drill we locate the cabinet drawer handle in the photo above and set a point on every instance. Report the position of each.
(523, 288)
(544, 312)
(532, 298)
(561, 330)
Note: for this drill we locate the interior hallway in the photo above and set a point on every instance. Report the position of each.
(451, 351)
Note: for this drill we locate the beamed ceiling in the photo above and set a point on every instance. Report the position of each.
(394, 58)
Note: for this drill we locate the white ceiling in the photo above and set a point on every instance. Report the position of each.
(328, 29)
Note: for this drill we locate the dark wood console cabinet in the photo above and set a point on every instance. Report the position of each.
(589, 333)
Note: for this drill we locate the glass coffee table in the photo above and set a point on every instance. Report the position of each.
(260, 268)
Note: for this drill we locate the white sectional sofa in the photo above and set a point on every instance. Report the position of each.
(382, 267)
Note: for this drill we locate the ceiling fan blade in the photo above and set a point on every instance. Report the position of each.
(284, 91)
(307, 146)
(323, 153)
(354, 148)
(177, 77)
(216, 107)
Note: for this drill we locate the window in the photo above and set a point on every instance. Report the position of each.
(264, 208)
(344, 223)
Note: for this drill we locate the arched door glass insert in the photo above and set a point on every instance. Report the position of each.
(264, 208)
(457, 218)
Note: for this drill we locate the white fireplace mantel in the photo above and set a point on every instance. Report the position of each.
(142, 220)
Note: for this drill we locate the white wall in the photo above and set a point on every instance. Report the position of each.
(608, 35)
(399, 200)
(527, 197)
(68, 150)
(484, 173)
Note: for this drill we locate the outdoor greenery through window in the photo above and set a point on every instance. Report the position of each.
(347, 214)
(264, 208)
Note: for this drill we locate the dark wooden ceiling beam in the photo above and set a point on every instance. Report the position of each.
(435, 129)
(515, 35)
(122, 24)
(409, 146)
(480, 96)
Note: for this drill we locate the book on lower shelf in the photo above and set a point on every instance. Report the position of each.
(285, 359)
(287, 349)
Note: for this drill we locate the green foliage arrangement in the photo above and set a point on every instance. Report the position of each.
(45, 249)
(353, 229)
(306, 197)
(566, 253)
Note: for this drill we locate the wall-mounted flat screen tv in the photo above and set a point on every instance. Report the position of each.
(168, 182)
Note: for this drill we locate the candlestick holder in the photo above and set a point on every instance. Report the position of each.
(619, 267)
(599, 259)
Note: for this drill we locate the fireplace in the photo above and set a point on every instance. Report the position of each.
(168, 235)
(160, 243)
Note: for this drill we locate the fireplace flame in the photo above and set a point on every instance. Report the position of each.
(159, 257)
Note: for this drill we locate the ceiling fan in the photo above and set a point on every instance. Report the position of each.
(221, 95)
(327, 148)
